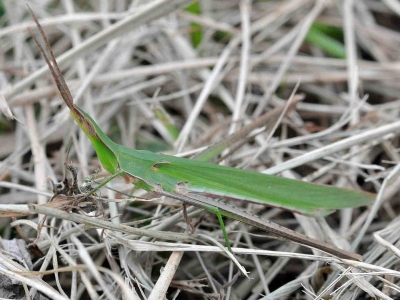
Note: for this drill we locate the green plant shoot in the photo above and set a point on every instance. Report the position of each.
(186, 179)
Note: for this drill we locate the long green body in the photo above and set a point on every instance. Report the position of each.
(175, 175)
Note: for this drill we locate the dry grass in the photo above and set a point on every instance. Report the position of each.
(122, 61)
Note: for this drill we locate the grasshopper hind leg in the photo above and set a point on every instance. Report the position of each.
(221, 222)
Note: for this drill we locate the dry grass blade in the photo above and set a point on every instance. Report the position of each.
(5, 109)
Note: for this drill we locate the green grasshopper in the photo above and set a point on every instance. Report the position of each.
(184, 179)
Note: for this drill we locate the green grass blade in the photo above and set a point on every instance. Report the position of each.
(163, 116)
(322, 40)
(196, 31)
